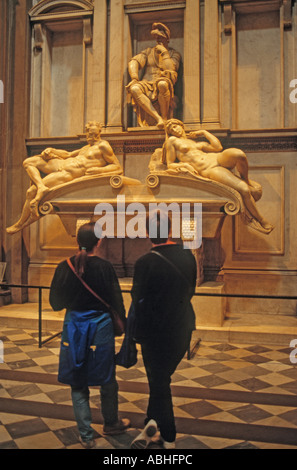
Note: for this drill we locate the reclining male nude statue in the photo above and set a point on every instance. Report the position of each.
(60, 166)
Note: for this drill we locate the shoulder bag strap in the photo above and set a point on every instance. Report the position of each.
(86, 285)
(171, 264)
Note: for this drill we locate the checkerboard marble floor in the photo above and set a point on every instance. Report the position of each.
(227, 396)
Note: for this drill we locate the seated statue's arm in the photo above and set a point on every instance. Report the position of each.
(169, 62)
(213, 144)
(133, 69)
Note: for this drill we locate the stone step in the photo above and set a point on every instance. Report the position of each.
(253, 329)
(238, 329)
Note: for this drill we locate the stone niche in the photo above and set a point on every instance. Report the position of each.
(139, 25)
(61, 35)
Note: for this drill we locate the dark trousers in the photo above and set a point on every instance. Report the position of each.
(161, 359)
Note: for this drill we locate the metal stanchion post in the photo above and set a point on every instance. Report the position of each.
(40, 317)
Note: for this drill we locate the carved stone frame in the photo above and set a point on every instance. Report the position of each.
(58, 16)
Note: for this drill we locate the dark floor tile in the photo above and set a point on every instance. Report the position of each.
(95, 400)
(61, 395)
(9, 445)
(243, 446)
(290, 387)
(258, 349)
(13, 332)
(177, 377)
(290, 373)
(21, 364)
(255, 371)
(257, 359)
(253, 384)
(130, 374)
(210, 381)
(215, 368)
(224, 347)
(40, 353)
(286, 360)
(199, 409)
(184, 364)
(25, 342)
(51, 368)
(68, 436)
(123, 441)
(4, 338)
(23, 390)
(286, 351)
(190, 442)
(141, 404)
(290, 416)
(26, 428)
(11, 350)
(220, 357)
(250, 413)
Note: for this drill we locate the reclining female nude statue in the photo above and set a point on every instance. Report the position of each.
(208, 160)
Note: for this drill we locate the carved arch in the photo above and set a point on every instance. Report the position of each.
(59, 9)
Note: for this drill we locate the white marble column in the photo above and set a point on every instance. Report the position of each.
(115, 66)
(192, 64)
(211, 95)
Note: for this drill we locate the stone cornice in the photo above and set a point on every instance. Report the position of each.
(147, 141)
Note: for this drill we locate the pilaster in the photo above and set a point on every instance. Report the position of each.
(211, 95)
(192, 64)
(115, 64)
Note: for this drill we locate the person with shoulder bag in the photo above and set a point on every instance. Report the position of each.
(163, 285)
(87, 286)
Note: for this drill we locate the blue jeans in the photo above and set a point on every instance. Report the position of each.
(82, 411)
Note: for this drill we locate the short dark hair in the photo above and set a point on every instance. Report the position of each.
(158, 226)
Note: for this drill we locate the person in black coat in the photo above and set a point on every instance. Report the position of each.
(162, 291)
(87, 355)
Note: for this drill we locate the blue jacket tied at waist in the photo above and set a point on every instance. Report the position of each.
(87, 349)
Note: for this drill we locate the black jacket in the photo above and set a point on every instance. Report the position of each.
(68, 292)
(162, 296)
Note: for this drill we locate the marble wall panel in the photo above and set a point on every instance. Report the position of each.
(271, 206)
(66, 84)
(259, 100)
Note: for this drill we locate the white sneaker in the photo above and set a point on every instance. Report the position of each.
(169, 445)
(145, 437)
